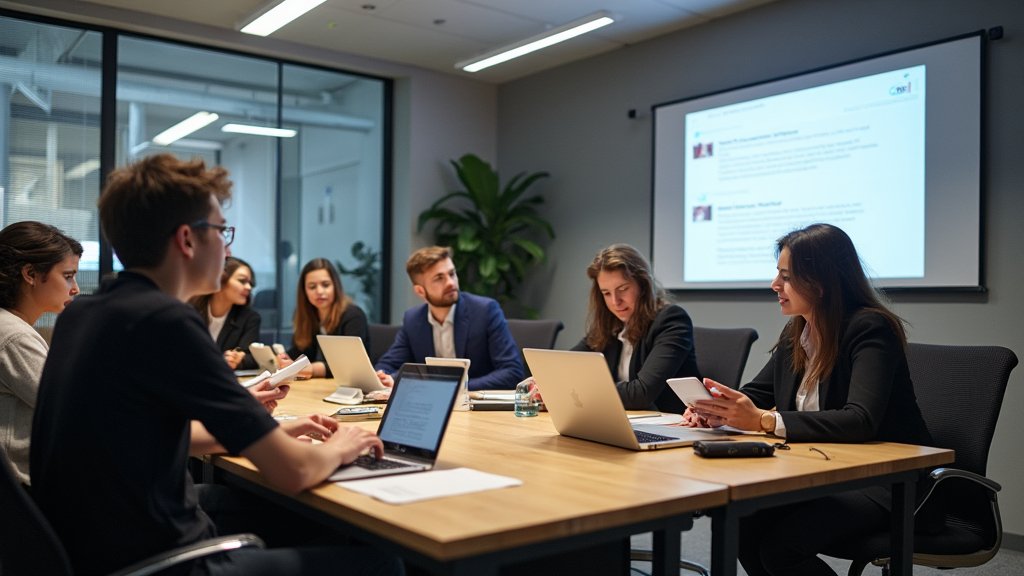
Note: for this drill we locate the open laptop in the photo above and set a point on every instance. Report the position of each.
(413, 425)
(462, 401)
(350, 366)
(580, 394)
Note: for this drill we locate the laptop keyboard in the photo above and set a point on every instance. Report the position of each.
(647, 437)
(371, 463)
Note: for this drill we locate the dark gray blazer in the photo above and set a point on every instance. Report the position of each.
(868, 396)
(241, 328)
(666, 351)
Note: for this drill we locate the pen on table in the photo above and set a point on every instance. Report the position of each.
(638, 416)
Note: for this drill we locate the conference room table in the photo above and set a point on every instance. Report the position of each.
(576, 494)
(565, 502)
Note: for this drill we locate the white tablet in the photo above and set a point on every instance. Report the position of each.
(264, 356)
(689, 390)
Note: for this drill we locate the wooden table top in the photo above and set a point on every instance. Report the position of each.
(563, 493)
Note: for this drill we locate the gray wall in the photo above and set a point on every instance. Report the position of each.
(572, 121)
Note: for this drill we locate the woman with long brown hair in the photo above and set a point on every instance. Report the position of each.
(38, 264)
(322, 307)
(645, 339)
(837, 374)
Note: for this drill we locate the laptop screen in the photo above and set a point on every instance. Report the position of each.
(419, 408)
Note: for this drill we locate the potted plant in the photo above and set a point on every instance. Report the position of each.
(367, 273)
(490, 228)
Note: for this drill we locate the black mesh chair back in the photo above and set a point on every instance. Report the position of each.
(960, 392)
(722, 352)
(381, 338)
(534, 334)
(28, 545)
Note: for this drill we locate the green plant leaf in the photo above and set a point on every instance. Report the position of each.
(493, 230)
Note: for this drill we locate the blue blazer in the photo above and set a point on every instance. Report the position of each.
(481, 335)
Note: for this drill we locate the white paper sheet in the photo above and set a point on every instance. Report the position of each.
(656, 419)
(406, 488)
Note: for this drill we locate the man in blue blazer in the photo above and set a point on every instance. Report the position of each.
(452, 324)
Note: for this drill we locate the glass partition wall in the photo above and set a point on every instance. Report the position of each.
(311, 186)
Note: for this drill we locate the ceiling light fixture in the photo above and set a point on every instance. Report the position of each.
(259, 130)
(277, 14)
(82, 170)
(532, 44)
(184, 128)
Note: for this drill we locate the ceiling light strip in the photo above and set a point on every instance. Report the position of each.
(553, 36)
(184, 128)
(275, 18)
(259, 130)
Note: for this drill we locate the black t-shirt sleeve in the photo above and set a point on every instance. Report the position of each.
(205, 388)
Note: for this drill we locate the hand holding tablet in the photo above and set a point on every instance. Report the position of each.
(689, 390)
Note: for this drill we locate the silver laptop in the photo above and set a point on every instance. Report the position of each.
(349, 363)
(413, 425)
(580, 394)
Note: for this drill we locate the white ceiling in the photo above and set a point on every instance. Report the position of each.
(435, 34)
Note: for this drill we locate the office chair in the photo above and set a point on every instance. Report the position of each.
(722, 352)
(534, 334)
(721, 355)
(381, 338)
(29, 546)
(960, 391)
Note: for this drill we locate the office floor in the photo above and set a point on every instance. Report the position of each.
(696, 546)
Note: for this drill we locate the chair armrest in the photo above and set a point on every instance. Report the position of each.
(208, 547)
(941, 474)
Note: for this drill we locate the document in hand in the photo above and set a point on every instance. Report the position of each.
(284, 374)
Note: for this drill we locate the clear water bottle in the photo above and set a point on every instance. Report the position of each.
(527, 399)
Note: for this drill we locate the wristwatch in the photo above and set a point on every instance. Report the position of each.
(768, 421)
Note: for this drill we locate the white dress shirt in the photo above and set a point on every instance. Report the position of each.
(444, 333)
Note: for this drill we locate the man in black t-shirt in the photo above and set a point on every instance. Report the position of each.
(114, 428)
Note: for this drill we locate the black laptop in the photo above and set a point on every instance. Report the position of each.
(413, 424)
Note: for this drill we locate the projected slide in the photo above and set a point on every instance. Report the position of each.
(834, 153)
(888, 148)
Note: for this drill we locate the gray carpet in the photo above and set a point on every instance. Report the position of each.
(696, 545)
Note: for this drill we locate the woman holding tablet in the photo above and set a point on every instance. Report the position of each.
(38, 265)
(232, 323)
(645, 339)
(837, 374)
(322, 307)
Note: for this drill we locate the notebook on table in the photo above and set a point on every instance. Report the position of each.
(413, 424)
(581, 397)
(351, 367)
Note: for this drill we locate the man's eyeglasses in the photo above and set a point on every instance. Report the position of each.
(226, 232)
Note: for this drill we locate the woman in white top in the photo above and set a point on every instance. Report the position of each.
(38, 265)
(232, 323)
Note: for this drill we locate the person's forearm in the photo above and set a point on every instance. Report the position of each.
(203, 442)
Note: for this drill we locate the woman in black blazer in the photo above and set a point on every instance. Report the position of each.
(837, 374)
(629, 312)
(232, 323)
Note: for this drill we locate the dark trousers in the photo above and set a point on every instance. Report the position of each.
(295, 545)
(785, 541)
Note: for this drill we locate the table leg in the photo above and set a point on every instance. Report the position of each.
(902, 532)
(725, 537)
(667, 550)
